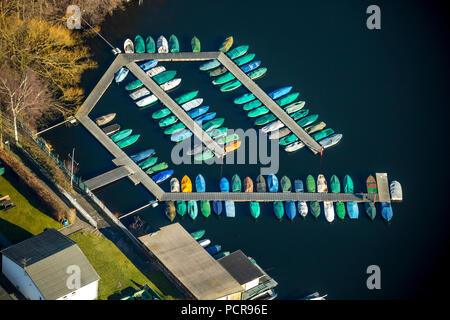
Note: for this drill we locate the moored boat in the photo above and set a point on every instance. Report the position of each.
(278, 134)
(260, 184)
(121, 135)
(370, 210)
(204, 243)
(272, 126)
(278, 209)
(285, 100)
(386, 211)
(322, 134)
(161, 113)
(142, 155)
(192, 209)
(157, 167)
(229, 209)
(147, 163)
(288, 139)
(218, 133)
(164, 76)
(244, 59)
(237, 52)
(218, 71)
(310, 183)
(195, 44)
(174, 45)
(170, 210)
(206, 155)
(396, 191)
(231, 146)
(226, 44)
(121, 74)
(315, 127)
(213, 124)
(348, 184)
(248, 184)
(223, 78)
(169, 85)
(335, 187)
(224, 185)
(144, 102)
(230, 86)
(294, 107)
(205, 208)
(195, 150)
(301, 205)
(251, 105)
(200, 184)
(142, 92)
(107, 118)
(188, 96)
(174, 185)
(198, 111)
(192, 104)
(167, 121)
(228, 138)
(256, 74)
(251, 66)
(221, 254)
(285, 184)
(315, 208)
(272, 183)
(156, 70)
(330, 141)
(211, 64)
(111, 129)
(148, 65)
(177, 127)
(255, 209)
(217, 207)
(290, 209)
(162, 176)
(278, 93)
(257, 112)
(198, 234)
(204, 118)
(128, 46)
(294, 146)
(150, 45)
(371, 185)
(186, 184)
(321, 184)
(352, 209)
(299, 114)
(139, 45)
(246, 97)
(212, 250)
(265, 119)
(162, 45)
(307, 120)
(340, 210)
(236, 184)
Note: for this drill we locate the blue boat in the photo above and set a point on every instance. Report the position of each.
(251, 66)
(212, 250)
(142, 155)
(280, 92)
(229, 209)
(180, 135)
(163, 175)
(205, 117)
(290, 209)
(121, 74)
(224, 185)
(217, 207)
(352, 209)
(200, 184)
(198, 111)
(148, 65)
(298, 186)
(272, 183)
(386, 211)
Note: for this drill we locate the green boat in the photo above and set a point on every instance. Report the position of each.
(223, 79)
(167, 121)
(370, 210)
(205, 155)
(157, 167)
(348, 184)
(198, 234)
(147, 163)
(150, 44)
(236, 185)
(139, 45)
(175, 128)
(256, 74)
(255, 210)
(278, 209)
(252, 105)
(121, 135)
(182, 209)
(335, 185)
(285, 184)
(195, 44)
(164, 76)
(288, 139)
(293, 107)
(230, 86)
(257, 112)
(237, 52)
(218, 132)
(212, 124)
(287, 99)
(310, 184)
(226, 44)
(265, 119)
(307, 120)
(322, 134)
(315, 208)
(218, 71)
(174, 45)
(244, 59)
(186, 97)
(299, 114)
(128, 141)
(133, 85)
(246, 97)
(205, 208)
(228, 138)
(160, 113)
(340, 210)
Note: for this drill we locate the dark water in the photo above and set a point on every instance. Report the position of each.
(385, 90)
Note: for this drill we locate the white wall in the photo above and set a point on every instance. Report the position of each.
(88, 292)
(251, 284)
(20, 279)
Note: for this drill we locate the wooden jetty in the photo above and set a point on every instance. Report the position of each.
(108, 177)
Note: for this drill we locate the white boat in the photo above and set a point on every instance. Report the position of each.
(315, 127)
(192, 104)
(105, 119)
(396, 191)
(293, 107)
(303, 208)
(331, 140)
(154, 71)
(278, 134)
(128, 46)
(314, 296)
(321, 184)
(329, 210)
(174, 185)
(294, 146)
(166, 86)
(147, 101)
(162, 45)
(272, 126)
(139, 93)
(204, 242)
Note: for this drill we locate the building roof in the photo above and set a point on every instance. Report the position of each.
(190, 263)
(46, 258)
(240, 267)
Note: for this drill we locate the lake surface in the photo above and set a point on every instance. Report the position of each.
(385, 90)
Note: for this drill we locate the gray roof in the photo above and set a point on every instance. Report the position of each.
(240, 267)
(47, 257)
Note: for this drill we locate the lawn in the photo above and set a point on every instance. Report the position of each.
(117, 273)
(26, 219)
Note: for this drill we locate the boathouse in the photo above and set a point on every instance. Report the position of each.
(50, 266)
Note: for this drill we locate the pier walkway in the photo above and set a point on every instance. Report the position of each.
(383, 187)
(108, 177)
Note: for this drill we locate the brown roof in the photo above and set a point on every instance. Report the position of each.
(196, 269)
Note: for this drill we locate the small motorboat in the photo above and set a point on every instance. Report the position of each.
(105, 119)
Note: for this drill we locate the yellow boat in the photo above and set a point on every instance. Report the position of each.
(186, 184)
(226, 45)
(233, 145)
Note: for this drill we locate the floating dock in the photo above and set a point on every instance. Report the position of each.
(108, 177)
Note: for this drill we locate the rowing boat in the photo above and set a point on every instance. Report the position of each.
(139, 45)
(226, 44)
(162, 176)
(237, 52)
(192, 104)
(260, 184)
(142, 155)
(150, 45)
(157, 167)
(186, 184)
(230, 86)
(244, 59)
(231, 146)
(236, 184)
(246, 97)
(128, 46)
(162, 45)
(105, 119)
(174, 45)
(256, 74)
(316, 127)
(265, 119)
(195, 44)
(278, 93)
(111, 129)
(278, 134)
(121, 135)
(128, 141)
(188, 96)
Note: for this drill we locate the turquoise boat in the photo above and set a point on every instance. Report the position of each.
(246, 97)
(159, 114)
(134, 85)
(322, 134)
(257, 112)
(265, 119)
(352, 209)
(121, 135)
(200, 184)
(147, 163)
(299, 114)
(186, 97)
(244, 59)
(209, 65)
(164, 76)
(157, 167)
(198, 234)
(175, 128)
(139, 45)
(230, 86)
(287, 99)
(252, 105)
(223, 79)
(255, 209)
(307, 120)
(167, 121)
(182, 209)
(237, 52)
(315, 208)
(214, 123)
(192, 209)
(278, 209)
(288, 139)
(174, 45)
(236, 185)
(150, 45)
(128, 141)
(258, 73)
(228, 138)
(218, 133)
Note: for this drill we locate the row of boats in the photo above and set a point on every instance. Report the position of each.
(272, 184)
(160, 46)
